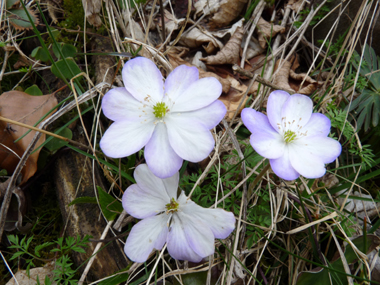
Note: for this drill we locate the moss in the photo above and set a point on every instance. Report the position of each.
(74, 14)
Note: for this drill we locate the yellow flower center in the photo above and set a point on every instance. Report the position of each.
(289, 136)
(172, 206)
(159, 110)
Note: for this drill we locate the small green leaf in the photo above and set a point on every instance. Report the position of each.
(17, 254)
(110, 206)
(55, 143)
(115, 280)
(40, 54)
(19, 18)
(68, 50)
(34, 90)
(83, 200)
(3, 172)
(68, 68)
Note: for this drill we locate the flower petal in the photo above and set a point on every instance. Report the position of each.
(189, 139)
(199, 94)
(142, 204)
(326, 148)
(189, 239)
(164, 189)
(126, 137)
(146, 235)
(210, 116)
(275, 103)
(179, 80)
(143, 80)
(160, 156)
(296, 112)
(118, 104)
(305, 162)
(256, 121)
(220, 222)
(283, 168)
(318, 125)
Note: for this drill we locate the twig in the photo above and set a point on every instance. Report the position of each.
(258, 78)
(163, 24)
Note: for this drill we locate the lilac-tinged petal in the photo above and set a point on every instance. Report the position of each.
(143, 80)
(275, 103)
(318, 125)
(157, 187)
(199, 94)
(160, 156)
(283, 168)
(142, 204)
(118, 104)
(268, 144)
(124, 138)
(190, 140)
(325, 148)
(146, 235)
(179, 80)
(209, 116)
(256, 121)
(220, 222)
(305, 162)
(177, 243)
(296, 112)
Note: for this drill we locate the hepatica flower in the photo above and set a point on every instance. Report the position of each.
(293, 137)
(172, 119)
(188, 229)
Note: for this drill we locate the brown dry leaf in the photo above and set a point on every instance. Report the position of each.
(176, 60)
(235, 95)
(92, 9)
(196, 37)
(27, 109)
(52, 10)
(296, 5)
(206, 7)
(309, 85)
(230, 52)
(228, 11)
(282, 77)
(23, 278)
(267, 31)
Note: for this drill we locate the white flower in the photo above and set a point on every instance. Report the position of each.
(293, 137)
(188, 229)
(172, 119)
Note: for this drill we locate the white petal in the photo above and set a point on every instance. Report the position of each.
(209, 116)
(199, 94)
(318, 125)
(283, 168)
(118, 104)
(164, 189)
(219, 221)
(326, 148)
(143, 80)
(126, 137)
(146, 235)
(178, 244)
(159, 155)
(275, 103)
(305, 162)
(296, 112)
(179, 80)
(190, 140)
(142, 204)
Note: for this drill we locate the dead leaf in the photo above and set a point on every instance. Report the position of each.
(303, 84)
(196, 37)
(267, 31)
(228, 11)
(92, 9)
(176, 60)
(27, 109)
(282, 77)
(235, 95)
(22, 277)
(230, 52)
(206, 7)
(296, 5)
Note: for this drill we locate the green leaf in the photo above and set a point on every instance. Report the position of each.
(55, 143)
(68, 50)
(84, 200)
(19, 18)
(110, 206)
(17, 254)
(34, 90)
(68, 68)
(3, 172)
(115, 280)
(40, 54)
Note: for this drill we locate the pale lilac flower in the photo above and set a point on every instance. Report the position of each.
(188, 229)
(293, 137)
(172, 119)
